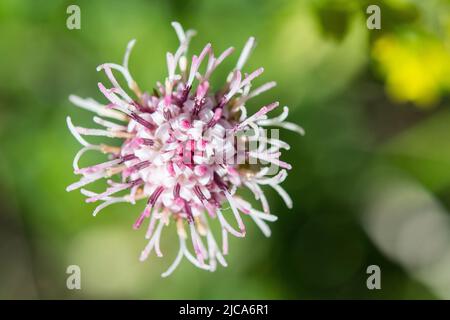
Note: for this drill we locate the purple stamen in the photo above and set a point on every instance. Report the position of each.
(187, 208)
(155, 195)
(167, 114)
(215, 118)
(176, 191)
(127, 157)
(221, 103)
(185, 94)
(141, 108)
(141, 165)
(136, 182)
(148, 142)
(142, 216)
(142, 121)
(218, 180)
(199, 193)
(199, 103)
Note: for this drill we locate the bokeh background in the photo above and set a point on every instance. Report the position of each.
(371, 178)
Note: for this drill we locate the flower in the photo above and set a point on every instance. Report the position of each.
(416, 67)
(183, 150)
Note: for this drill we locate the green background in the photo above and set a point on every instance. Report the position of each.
(371, 177)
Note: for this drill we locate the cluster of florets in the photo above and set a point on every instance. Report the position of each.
(186, 150)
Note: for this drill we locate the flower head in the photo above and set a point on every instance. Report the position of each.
(186, 150)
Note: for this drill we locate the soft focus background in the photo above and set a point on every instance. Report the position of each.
(371, 178)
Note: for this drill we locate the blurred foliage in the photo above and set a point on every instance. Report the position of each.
(355, 91)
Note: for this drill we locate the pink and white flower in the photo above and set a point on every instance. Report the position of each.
(186, 150)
